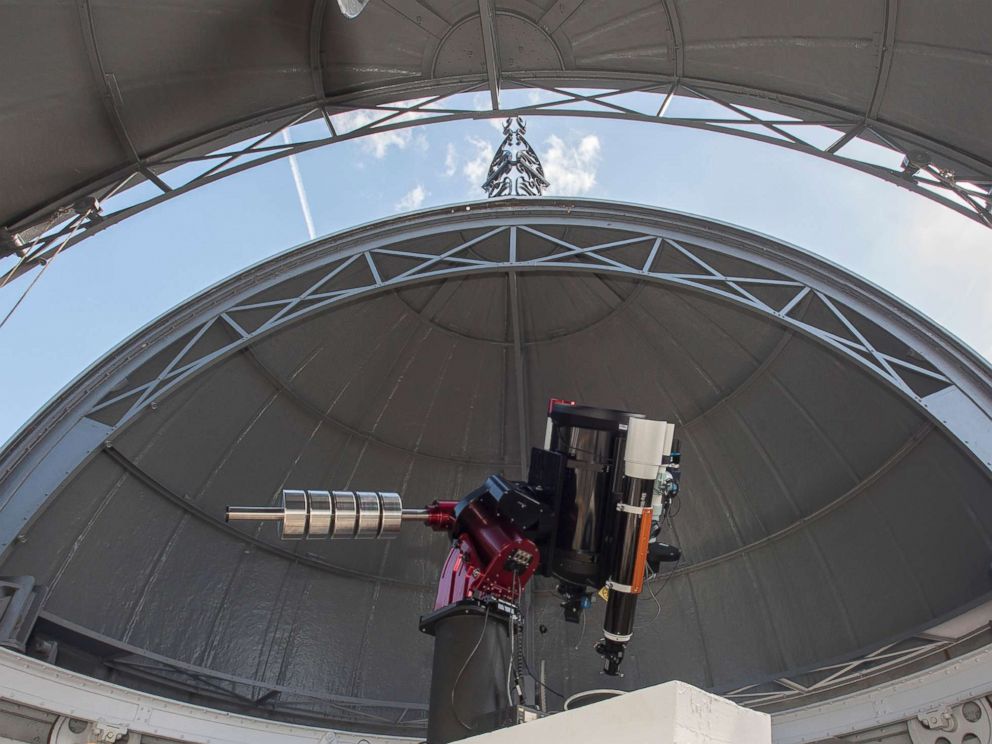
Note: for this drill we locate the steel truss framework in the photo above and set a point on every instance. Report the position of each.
(236, 693)
(809, 128)
(888, 340)
(247, 321)
(50, 696)
(835, 679)
(254, 696)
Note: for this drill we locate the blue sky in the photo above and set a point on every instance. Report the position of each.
(108, 286)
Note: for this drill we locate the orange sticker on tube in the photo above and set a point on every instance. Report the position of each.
(643, 541)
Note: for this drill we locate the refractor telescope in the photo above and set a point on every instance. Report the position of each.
(589, 515)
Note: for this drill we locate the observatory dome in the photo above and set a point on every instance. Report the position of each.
(835, 515)
(835, 499)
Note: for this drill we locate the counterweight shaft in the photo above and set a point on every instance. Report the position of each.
(332, 514)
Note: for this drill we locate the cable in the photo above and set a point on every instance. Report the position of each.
(537, 679)
(657, 613)
(454, 687)
(44, 268)
(518, 664)
(607, 690)
(509, 665)
(27, 252)
(23, 295)
(667, 517)
(17, 264)
(522, 658)
(654, 594)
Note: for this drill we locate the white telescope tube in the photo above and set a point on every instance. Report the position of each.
(647, 442)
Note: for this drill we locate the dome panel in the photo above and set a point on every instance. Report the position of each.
(934, 75)
(733, 595)
(916, 494)
(168, 59)
(110, 95)
(124, 564)
(809, 50)
(824, 510)
(632, 38)
(347, 61)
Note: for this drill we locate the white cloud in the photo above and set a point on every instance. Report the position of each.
(477, 166)
(944, 270)
(450, 160)
(377, 144)
(571, 168)
(482, 101)
(412, 199)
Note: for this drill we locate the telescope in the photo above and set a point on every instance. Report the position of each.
(588, 515)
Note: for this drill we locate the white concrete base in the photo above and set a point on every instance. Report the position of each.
(672, 713)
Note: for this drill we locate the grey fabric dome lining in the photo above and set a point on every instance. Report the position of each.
(826, 509)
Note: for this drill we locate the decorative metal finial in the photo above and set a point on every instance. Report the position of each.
(516, 169)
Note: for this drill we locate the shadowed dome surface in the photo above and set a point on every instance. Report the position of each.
(831, 501)
(101, 95)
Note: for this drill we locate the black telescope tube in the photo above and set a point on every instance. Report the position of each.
(624, 584)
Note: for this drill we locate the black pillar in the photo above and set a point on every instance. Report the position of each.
(468, 684)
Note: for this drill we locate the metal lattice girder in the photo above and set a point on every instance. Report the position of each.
(877, 713)
(182, 170)
(742, 289)
(834, 676)
(810, 299)
(233, 691)
(46, 688)
(860, 358)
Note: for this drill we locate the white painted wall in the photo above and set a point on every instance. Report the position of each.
(672, 713)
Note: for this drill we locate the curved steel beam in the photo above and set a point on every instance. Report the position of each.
(105, 82)
(105, 392)
(315, 50)
(960, 677)
(496, 217)
(936, 182)
(806, 277)
(677, 40)
(490, 46)
(79, 695)
(886, 41)
(292, 309)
